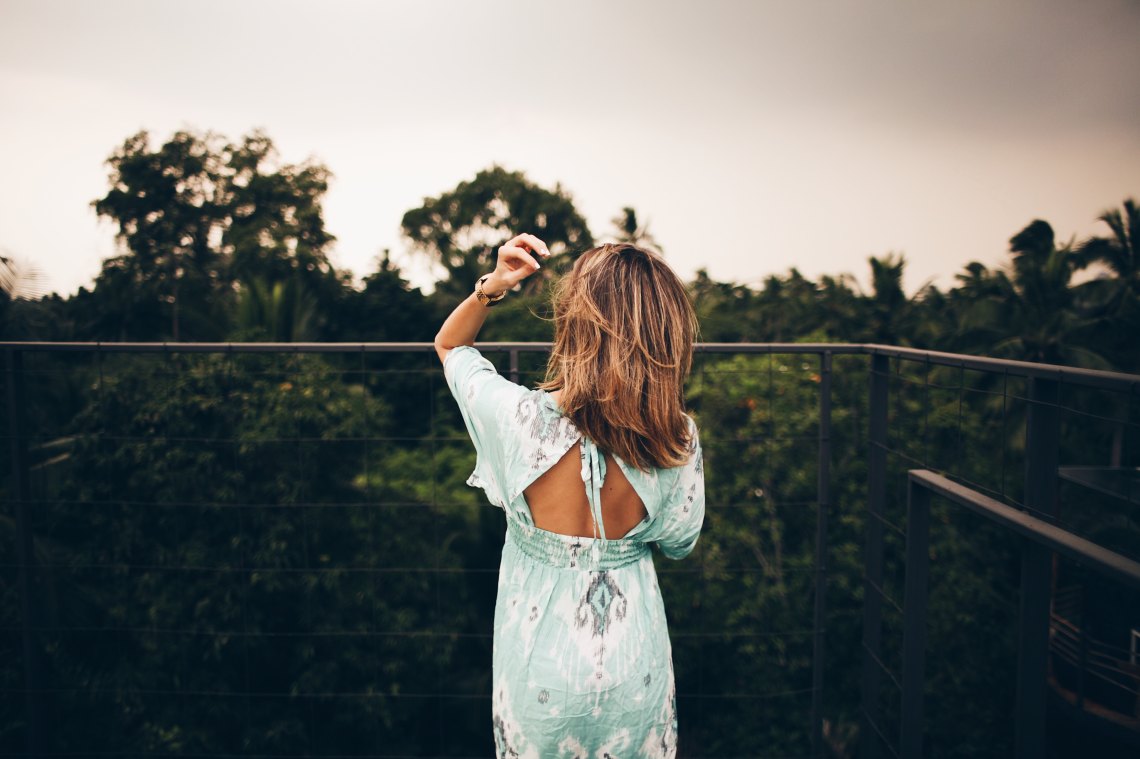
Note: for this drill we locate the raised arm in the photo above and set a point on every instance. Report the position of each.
(515, 263)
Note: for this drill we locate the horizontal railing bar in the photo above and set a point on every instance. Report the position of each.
(173, 631)
(388, 347)
(53, 442)
(349, 694)
(814, 348)
(757, 570)
(710, 439)
(120, 754)
(173, 347)
(1037, 530)
(1090, 377)
(262, 634)
(107, 503)
(1093, 377)
(244, 694)
(263, 569)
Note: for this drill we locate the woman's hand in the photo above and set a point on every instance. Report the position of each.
(516, 262)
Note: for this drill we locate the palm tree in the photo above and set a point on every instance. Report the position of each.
(1029, 312)
(1115, 297)
(22, 285)
(1119, 254)
(889, 304)
(892, 317)
(629, 230)
(281, 311)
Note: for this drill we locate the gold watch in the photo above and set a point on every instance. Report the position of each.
(483, 297)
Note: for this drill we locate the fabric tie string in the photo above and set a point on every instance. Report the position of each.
(593, 474)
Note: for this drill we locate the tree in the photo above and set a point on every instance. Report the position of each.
(198, 217)
(894, 318)
(275, 227)
(291, 469)
(842, 306)
(461, 229)
(629, 230)
(167, 204)
(388, 309)
(1120, 254)
(280, 311)
(1116, 298)
(22, 309)
(1028, 312)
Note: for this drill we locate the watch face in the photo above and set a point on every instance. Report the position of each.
(482, 295)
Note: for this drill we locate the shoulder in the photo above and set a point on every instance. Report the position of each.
(470, 376)
(520, 413)
(463, 361)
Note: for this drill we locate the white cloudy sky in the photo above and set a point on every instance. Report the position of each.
(753, 136)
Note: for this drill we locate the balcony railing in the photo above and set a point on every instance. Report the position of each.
(268, 550)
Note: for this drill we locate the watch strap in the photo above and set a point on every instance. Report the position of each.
(483, 297)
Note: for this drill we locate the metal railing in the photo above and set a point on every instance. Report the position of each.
(1039, 539)
(904, 386)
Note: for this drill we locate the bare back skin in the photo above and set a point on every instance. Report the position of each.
(557, 499)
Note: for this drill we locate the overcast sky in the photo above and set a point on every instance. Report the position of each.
(752, 136)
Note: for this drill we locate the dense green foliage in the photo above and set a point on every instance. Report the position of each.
(275, 553)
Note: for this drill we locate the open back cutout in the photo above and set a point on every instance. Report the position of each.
(558, 502)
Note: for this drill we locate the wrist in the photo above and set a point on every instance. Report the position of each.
(493, 286)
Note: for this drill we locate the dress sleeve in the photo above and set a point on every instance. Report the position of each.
(487, 401)
(684, 512)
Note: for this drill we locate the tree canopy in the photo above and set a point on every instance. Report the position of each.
(205, 224)
(460, 228)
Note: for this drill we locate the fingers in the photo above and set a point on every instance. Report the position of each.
(515, 257)
(531, 242)
(515, 260)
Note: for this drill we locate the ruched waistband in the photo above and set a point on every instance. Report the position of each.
(573, 552)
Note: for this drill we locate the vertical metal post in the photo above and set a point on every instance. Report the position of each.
(873, 552)
(823, 500)
(914, 620)
(514, 353)
(19, 493)
(1042, 443)
(1083, 658)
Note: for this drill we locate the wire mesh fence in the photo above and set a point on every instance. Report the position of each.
(271, 551)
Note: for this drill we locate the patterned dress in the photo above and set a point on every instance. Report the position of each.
(582, 664)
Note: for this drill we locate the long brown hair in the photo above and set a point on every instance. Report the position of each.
(623, 346)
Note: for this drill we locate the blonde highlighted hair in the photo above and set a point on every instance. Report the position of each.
(623, 347)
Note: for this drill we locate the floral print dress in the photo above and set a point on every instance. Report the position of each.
(582, 664)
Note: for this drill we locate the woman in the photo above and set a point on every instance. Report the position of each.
(589, 475)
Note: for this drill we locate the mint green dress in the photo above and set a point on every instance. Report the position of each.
(581, 665)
